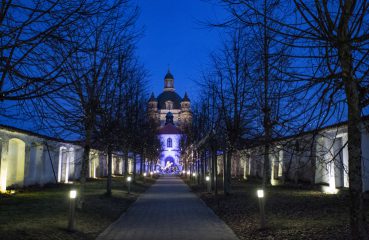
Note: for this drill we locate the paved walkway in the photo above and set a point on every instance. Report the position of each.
(168, 210)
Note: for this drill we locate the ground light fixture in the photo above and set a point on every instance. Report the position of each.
(207, 179)
(151, 174)
(260, 194)
(194, 177)
(184, 172)
(144, 174)
(188, 172)
(72, 210)
(129, 180)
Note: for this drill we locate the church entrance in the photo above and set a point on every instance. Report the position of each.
(170, 166)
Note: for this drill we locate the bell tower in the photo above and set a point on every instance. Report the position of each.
(152, 108)
(168, 82)
(185, 115)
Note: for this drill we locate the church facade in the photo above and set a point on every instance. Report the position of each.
(173, 115)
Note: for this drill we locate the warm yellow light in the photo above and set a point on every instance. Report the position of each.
(129, 178)
(194, 174)
(145, 174)
(260, 193)
(188, 172)
(72, 194)
(151, 173)
(3, 181)
(207, 178)
(329, 190)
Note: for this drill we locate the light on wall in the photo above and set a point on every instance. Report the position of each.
(3, 176)
(329, 190)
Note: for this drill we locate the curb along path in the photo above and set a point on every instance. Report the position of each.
(168, 210)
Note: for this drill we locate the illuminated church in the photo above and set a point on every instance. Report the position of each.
(172, 114)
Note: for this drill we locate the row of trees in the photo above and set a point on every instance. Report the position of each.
(287, 67)
(75, 64)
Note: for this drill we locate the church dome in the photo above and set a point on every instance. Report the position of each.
(169, 96)
(169, 75)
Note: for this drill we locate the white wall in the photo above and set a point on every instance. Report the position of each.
(170, 152)
(329, 159)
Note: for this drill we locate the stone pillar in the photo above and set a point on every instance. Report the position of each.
(345, 160)
(4, 163)
(60, 162)
(244, 158)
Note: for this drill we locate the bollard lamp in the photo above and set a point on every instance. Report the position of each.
(72, 194)
(260, 193)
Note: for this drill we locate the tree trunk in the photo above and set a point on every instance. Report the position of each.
(109, 179)
(125, 173)
(84, 172)
(266, 110)
(203, 166)
(357, 214)
(357, 218)
(134, 166)
(224, 171)
(214, 172)
(229, 172)
(142, 163)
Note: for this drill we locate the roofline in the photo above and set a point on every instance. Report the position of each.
(274, 140)
(336, 125)
(15, 129)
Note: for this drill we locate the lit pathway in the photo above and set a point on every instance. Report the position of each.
(168, 210)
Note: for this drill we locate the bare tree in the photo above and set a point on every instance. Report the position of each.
(109, 128)
(232, 77)
(329, 41)
(89, 74)
(29, 32)
(336, 34)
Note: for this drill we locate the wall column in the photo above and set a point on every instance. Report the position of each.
(3, 164)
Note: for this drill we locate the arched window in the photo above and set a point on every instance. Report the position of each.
(169, 105)
(16, 163)
(169, 142)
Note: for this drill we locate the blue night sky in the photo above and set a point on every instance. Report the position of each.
(174, 35)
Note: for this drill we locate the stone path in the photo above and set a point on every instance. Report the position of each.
(168, 210)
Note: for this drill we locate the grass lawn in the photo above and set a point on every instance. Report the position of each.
(42, 213)
(292, 212)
